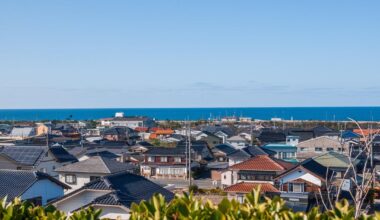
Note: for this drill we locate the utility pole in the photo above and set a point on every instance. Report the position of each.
(189, 152)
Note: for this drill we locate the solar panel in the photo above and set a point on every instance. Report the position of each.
(23, 155)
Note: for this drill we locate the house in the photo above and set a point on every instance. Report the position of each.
(211, 139)
(245, 119)
(283, 151)
(78, 174)
(33, 186)
(131, 122)
(222, 151)
(231, 119)
(119, 133)
(113, 194)
(239, 190)
(200, 150)
(54, 157)
(300, 185)
(140, 147)
(317, 146)
(227, 153)
(307, 134)
(237, 141)
(337, 162)
(165, 163)
(268, 137)
(39, 158)
(43, 129)
(261, 169)
(21, 133)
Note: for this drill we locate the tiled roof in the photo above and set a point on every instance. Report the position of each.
(245, 187)
(236, 138)
(262, 163)
(225, 148)
(254, 150)
(102, 153)
(61, 155)
(124, 189)
(333, 159)
(96, 164)
(167, 151)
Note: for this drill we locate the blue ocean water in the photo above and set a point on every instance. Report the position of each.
(296, 113)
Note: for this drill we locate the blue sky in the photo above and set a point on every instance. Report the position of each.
(77, 54)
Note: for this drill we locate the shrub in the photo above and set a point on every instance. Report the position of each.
(254, 207)
(19, 210)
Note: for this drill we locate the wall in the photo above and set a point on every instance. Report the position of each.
(82, 178)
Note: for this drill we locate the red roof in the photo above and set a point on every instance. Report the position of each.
(245, 187)
(260, 163)
(141, 129)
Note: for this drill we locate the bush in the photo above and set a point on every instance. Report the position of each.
(253, 207)
(19, 210)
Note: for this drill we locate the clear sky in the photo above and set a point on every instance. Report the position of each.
(77, 54)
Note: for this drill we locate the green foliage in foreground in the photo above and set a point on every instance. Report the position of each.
(17, 210)
(254, 207)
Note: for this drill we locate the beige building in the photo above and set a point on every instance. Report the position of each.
(320, 145)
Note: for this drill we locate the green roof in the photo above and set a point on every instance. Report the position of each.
(333, 159)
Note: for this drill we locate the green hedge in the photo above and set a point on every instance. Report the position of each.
(254, 207)
(17, 210)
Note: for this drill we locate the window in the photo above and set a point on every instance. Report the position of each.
(303, 149)
(225, 176)
(92, 178)
(330, 149)
(296, 187)
(43, 170)
(150, 159)
(70, 179)
(240, 198)
(177, 159)
(318, 149)
(164, 159)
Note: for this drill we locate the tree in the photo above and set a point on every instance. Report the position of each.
(362, 179)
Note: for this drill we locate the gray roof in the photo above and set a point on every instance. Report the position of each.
(22, 132)
(96, 164)
(125, 188)
(13, 183)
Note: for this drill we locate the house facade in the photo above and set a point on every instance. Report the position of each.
(165, 163)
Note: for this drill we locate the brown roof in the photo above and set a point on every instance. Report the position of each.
(261, 163)
(248, 187)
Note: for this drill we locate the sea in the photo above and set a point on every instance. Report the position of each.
(263, 113)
